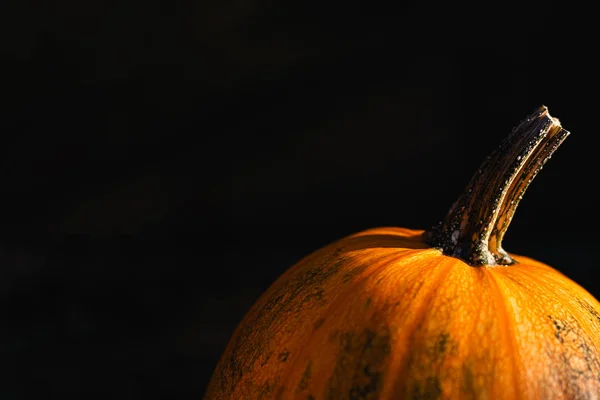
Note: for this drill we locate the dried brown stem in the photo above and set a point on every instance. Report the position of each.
(476, 223)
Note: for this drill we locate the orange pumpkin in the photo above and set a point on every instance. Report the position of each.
(395, 313)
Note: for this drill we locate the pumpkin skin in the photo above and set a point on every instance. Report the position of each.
(396, 313)
(380, 315)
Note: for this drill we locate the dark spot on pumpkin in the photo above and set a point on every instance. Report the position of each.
(512, 278)
(254, 337)
(587, 355)
(590, 309)
(305, 378)
(442, 345)
(559, 327)
(266, 359)
(283, 356)
(314, 297)
(417, 290)
(442, 342)
(363, 390)
(231, 374)
(266, 390)
(311, 282)
(310, 397)
(358, 371)
(318, 323)
(578, 364)
(349, 275)
(430, 389)
(368, 302)
(468, 380)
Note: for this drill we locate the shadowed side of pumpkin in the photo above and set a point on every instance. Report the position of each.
(440, 314)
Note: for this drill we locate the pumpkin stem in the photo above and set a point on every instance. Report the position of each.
(476, 223)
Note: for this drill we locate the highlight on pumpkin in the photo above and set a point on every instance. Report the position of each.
(384, 314)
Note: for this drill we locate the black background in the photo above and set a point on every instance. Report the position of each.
(162, 163)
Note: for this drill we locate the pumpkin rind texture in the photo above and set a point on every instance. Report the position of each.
(381, 315)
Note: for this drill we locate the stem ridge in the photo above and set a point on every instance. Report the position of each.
(476, 223)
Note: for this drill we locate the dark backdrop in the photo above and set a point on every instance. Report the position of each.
(162, 163)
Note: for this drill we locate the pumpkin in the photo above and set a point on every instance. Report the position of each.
(443, 313)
